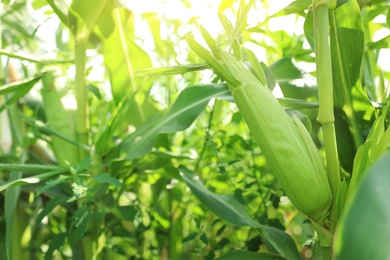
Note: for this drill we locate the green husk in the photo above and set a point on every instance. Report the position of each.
(289, 150)
(302, 176)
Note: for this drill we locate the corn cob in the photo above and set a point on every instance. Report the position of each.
(289, 150)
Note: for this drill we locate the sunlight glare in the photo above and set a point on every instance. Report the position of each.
(206, 12)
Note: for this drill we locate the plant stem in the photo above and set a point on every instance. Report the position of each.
(33, 59)
(82, 118)
(205, 141)
(325, 92)
(82, 122)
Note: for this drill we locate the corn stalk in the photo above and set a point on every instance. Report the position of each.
(325, 93)
(82, 121)
(326, 110)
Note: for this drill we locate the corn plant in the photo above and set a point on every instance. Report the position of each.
(100, 165)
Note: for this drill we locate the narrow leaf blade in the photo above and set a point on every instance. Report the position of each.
(227, 207)
(172, 70)
(241, 254)
(189, 104)
(363, 232)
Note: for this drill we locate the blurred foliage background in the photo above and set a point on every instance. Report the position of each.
(119, 194)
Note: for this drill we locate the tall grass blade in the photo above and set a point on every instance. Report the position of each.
(171, 70)
(189, 104)
(16, 179)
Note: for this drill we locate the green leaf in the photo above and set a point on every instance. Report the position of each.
(34, 58)
(308, 28)
(180, 116)
(172, 70)
(106, 178)
(123, 57)
(170, 155)
(225, 4)
(257, 67)
(164, 48)
(380, 44)
(62, 123)
(204, 239)
(345, 144)
(341, 197)
(31, 180)
(232, 36)
(19, 85)
(55, 243)
(347, 44)
(20, 88)
(50, 131)
(376, 2)
(241, 23)
(84, 15)
(375, 146)
(296, 7)
(49, 208)
(302, 117)
(241, 254)
(19, 19)
(228, 208)
(36, 4)
(207, 36)
(363, 232)
(11, 199)
(28, 168)
(80, 222)
(190, 237)
(286, 73)
(3, 250)
(60, 8)
(388, 17)
(52, 183)
(284, 70)
(297, 103)
(340, 3)
(128, 212)
(94, 90)
(189, 104)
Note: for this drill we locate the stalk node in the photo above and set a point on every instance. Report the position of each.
(323, 121)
